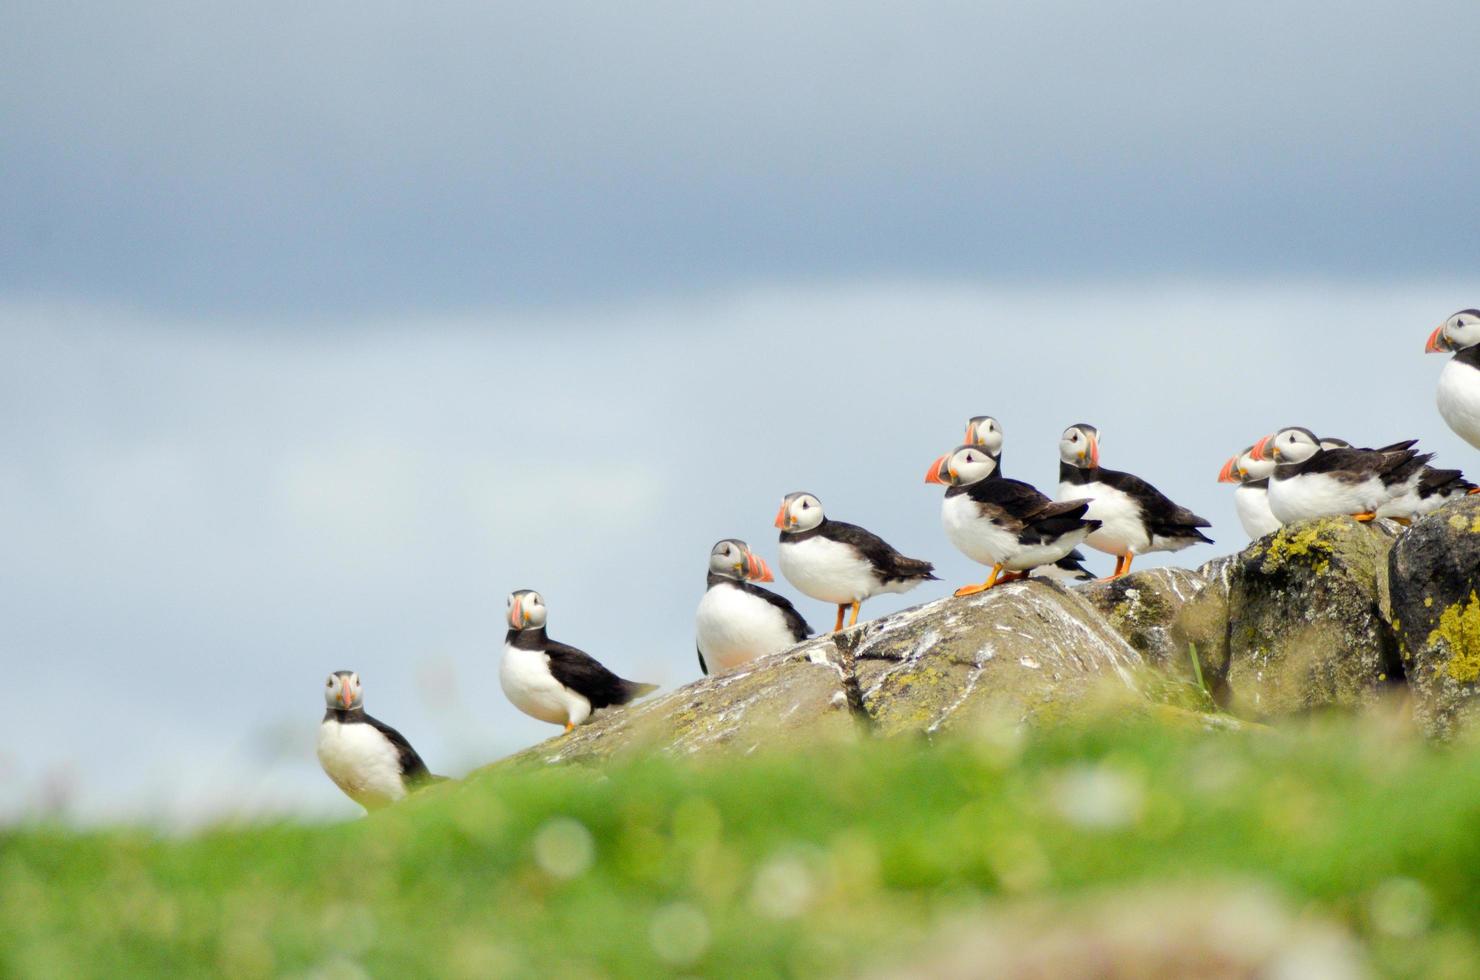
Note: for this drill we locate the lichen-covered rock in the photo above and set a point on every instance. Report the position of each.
(792, 696)
(1434, 578)
(1306, 624)
(1023, 651)
(1149, 609)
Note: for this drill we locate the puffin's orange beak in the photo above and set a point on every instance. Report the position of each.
(1438, 343)
(1258, 451)
(344, 696)
(933, 475)
(1225, 475)
(970, 439)
(757, 570)
(781, 516)
(516, 614)
(1094, 450)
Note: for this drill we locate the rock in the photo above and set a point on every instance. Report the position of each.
(1019, 652)
(1305, 620)
(1161, 611)
(790, 697)
(1434, 577)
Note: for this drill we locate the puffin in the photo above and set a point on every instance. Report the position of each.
(1309, 481)
(368, 759)
(1251, 496)
(1458, 395)
(1135, 517)
(838, 562)
(739, 621)
(1007, 524)
(549, 680)
(986, 432)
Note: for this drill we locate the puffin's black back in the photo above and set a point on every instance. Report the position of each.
(579, 671)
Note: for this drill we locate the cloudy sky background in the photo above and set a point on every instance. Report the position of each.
(327, 326)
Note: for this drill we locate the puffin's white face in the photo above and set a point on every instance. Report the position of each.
(343, 690)
(733, 558)
(1456, 333)
(1292, 445)
(526, 610)
(961, 468)
(799, 512)
(1251, 469)
(984, 431)
(1080, 446)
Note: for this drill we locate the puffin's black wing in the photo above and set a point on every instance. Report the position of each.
(413, 770)
(888, 564)
(1162, 516)
(1445, 482)
(581, 673)
(1356, 465)
(794, 621)
(703, 667)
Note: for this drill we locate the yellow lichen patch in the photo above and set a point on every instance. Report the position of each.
(1428, 601)
(1459, 628)
(1300, 542)
(1475, 525)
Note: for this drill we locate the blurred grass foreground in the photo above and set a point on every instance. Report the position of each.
(1342, 848)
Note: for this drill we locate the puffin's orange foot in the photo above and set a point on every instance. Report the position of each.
(1405, 521)
(569, 728)
(971, 589)
(1473, 490)
(1012, 577)
(1365, 516)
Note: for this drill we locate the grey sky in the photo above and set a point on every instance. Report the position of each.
(325, 326)
(370, 156)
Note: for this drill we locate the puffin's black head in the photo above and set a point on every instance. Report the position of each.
(733, 558)
(1456, 333)
(984, 431)
(1290, 445)
(961, 467)
(1080, 445)
(800, 511)
(526, 610)
(342, 690)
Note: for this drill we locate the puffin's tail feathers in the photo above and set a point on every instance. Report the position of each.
(634, 690)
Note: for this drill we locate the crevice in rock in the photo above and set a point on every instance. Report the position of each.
(846, 645)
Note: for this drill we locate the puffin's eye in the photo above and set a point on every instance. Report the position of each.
(1074, 437)
(805, 505)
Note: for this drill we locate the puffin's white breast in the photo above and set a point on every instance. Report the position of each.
(1309, 495)
(1252, 505)
(828, 570)
(974, 535)
(1458, 398)
(362, 762)
(1121, 529)
(734, 627)
(527, 682)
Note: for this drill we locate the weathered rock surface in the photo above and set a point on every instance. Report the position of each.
(1300, 620)
(1011, 654)
(1434, 577)
(1306, 620)
(1018, 652)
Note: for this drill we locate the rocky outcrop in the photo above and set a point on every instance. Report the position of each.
(1311, 617)
(1018, 653)
(1434, 578)
(1306, 620)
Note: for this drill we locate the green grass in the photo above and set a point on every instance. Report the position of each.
(823, 862)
